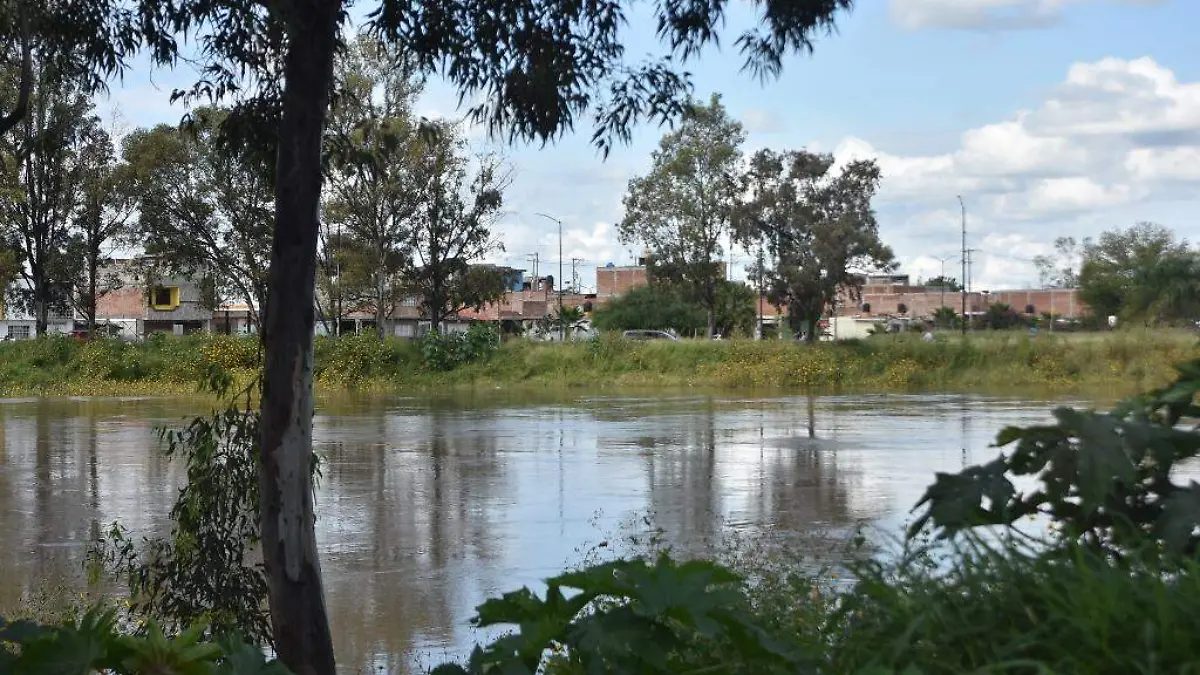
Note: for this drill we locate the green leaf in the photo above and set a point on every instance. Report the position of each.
(1180, 518)
(955, 501)
(21, 631)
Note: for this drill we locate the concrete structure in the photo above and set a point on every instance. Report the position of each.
(903, 299)
(139, 307)
(613, 281)
(21, 327)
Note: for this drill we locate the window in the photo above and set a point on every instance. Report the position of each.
(164, 298)
(18, 332)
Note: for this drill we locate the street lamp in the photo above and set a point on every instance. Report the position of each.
(943, 276)
(964, 264)
(558, 282)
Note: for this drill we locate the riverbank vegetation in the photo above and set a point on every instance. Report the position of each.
(1103, 365)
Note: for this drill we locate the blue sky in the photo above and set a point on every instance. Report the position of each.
(1049, 117)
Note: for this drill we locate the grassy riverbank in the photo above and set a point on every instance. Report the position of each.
(1100, 365)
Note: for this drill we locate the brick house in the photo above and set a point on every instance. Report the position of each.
(139, 307)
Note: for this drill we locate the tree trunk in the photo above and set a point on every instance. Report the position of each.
(380, 299)
(298, 617)
(41, 307)
(41, 314)
(90, 302)
(712, 322)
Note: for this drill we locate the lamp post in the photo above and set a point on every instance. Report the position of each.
(943, 277)
(964, 264)
(558, 282)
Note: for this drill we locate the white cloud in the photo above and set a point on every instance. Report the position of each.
(1117, 137)
(1115, 96)
(984, 14)
(1164, 164)
(1064, 156)
(763, 121)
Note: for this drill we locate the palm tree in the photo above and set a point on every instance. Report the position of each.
(945, 317)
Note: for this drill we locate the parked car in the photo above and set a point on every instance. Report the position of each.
(649, 335)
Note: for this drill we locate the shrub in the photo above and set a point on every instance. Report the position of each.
(232, 352)
(103, 360)
(447, 351)
(1004, 608)
(95, 643)
(1104, 478)
(350, 359)
(627, 617)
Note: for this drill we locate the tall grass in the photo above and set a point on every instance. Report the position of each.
(983, 608)
(1101, 365)
(1110, 365)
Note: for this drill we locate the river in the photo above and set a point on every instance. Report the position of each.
(429, 504)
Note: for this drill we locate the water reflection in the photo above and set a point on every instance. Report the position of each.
(426, 506)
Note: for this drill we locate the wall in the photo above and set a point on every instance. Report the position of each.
(923, 302)
(615, 281)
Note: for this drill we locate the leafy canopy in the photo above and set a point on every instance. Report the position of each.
(1141, 274)
(680, 211)
(533, 70)
(818, 226)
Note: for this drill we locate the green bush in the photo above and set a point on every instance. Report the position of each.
(103, 360)
(1007, 609)
(447, 351)
(232, 352)
(96, 644)
(1105, 479)
(351, 359)
(627, 617)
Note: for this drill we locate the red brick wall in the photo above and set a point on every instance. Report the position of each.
(614, 281)
(126, 302)
(922, 302)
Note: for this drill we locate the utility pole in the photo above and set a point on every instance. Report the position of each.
(575, 274)
(970, 269)
(337, 325)
(534, 257)
(762, 273)
(558, 284)
(964, 264)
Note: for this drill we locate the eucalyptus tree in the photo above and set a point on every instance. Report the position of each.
(536, 68)
(44, 164)
(101, 224)
(452, 227)
(681, 209)
(818, 226)
(374, 144)
(85, 41)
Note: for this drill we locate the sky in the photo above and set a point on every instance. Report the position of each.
(1048, 117)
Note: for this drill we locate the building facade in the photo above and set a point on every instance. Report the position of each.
(142, 303)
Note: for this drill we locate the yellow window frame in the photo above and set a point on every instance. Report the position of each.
(174, 298)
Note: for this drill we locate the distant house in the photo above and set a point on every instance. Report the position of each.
(143, 303)
(18, 325)
(234, 317)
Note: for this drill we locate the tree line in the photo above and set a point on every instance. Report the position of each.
(406, 208)
(1143, 274)
(810, 221)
